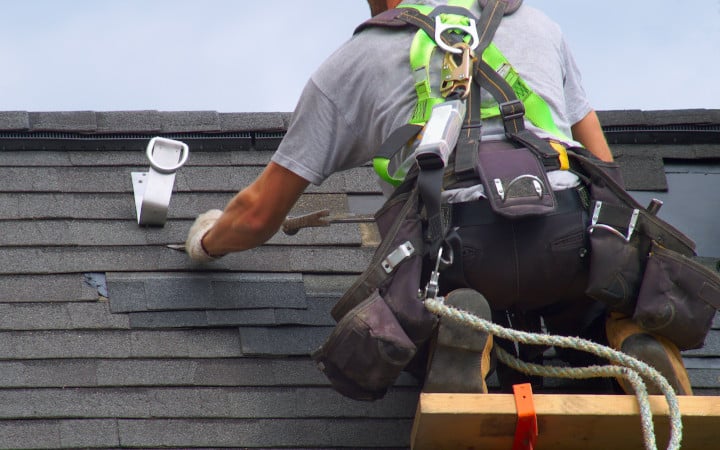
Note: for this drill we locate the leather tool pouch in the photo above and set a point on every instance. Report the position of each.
(514, 180)
(381, 320)
(643, 267)
(366, 351)
(678, 298)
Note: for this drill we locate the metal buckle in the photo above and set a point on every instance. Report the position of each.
(630, 228)
(513, 109)
(469, 29)
(404, 251)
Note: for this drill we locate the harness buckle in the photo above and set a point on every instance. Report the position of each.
(456, 76)
(514, 109)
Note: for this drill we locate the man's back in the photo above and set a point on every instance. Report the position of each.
(365, 90)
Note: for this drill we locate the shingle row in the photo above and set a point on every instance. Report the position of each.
(147, 121)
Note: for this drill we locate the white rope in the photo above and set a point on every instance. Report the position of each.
(627, 367)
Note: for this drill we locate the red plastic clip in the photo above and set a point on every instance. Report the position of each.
(526, 431)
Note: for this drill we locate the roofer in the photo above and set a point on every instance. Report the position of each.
(528, 268)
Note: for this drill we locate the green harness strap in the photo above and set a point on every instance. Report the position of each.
(537, 110)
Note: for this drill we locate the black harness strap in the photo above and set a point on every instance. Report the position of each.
(397, 140)
(512, 112)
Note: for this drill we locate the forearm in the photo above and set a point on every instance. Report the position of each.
(590, 134)
(256, 213)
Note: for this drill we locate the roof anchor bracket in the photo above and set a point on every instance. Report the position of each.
(153, 189)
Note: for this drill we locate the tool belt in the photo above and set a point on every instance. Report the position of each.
(381, 319)
(645, 268)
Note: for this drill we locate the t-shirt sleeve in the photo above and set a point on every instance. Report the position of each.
(316, 132)
(578, 105)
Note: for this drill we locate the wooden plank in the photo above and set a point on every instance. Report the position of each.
(565, 422)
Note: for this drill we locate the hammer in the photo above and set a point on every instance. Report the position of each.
(321, 218)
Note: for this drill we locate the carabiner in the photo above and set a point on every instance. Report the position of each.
(455, 76)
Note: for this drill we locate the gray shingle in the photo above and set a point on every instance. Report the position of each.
(182, 291)
(327, 285)
(316, 314)
(59, 316)
(35, 158)
(223, 343)
(198, 319)
(49, 373)
(55, 434)
(69, 121)
(24, 434)
(682, 152)
(206, 402)
(623, 117)
(89, 433)
(704, 378)
(204, 372)
(271, 433)
(54, 260)
(149, 121)
(643, 173)
(176, 121)
(14, 120)
(662, 117)
(252, 121)
(278, 341)
(45, 288)
(100, 206)
(188, 179)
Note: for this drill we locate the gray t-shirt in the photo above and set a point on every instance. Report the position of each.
(365, 90)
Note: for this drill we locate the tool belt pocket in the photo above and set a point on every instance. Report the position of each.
(514, 179)
(644, 268)
(616, 258)
(381, 320)
(678, 298)
(366, 351)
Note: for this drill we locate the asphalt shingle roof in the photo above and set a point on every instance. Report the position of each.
(110, 339)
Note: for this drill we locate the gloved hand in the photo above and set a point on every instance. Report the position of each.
(193, 244)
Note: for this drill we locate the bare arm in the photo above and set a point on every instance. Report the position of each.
(590, 134)
(256, 213)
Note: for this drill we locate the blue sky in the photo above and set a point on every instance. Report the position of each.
(233, 55)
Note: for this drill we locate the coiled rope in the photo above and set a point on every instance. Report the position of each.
(626, 366)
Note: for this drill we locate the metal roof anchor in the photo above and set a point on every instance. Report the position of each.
(153, 189)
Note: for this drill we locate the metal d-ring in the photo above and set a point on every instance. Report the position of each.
(157, 146)
(469, 29)
(537, 183)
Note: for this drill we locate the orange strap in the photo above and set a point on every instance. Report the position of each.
(526, 431)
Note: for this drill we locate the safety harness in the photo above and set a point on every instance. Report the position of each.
(454, 30)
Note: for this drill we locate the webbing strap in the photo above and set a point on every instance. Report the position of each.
(394, 143)
(536, 109)
(512, 111)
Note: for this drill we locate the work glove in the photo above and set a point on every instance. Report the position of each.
(193, 244)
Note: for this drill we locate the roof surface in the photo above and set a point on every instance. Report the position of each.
(111, 339)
